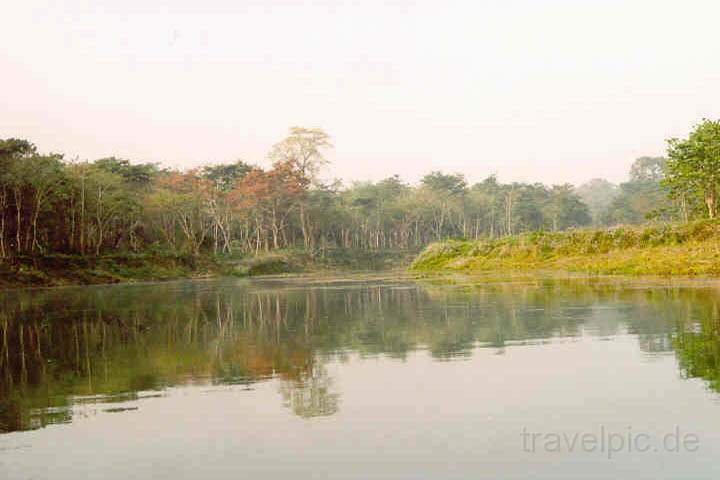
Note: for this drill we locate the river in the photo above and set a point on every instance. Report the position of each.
(362, 377)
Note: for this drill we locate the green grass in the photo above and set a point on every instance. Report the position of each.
(57, 269)
(300, 260)
(268, 263)
(687, 249)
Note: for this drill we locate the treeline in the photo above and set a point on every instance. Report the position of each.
(51, 205)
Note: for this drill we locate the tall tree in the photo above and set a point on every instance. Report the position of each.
(648, 169)
(303, 150)
(12, 151)
(693, 167)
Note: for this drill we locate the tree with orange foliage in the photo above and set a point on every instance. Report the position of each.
(272, 196)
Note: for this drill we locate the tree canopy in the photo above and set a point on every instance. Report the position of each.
(693, 167)
(49, 204)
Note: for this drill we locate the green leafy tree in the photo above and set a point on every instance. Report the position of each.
(648, 169)
(565, 209)
(644, 197)
(134, 174)
(693, 167)
(225, 176)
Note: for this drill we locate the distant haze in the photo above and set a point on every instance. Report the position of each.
(550, 91)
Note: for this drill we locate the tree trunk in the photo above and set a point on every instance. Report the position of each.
(303, 225)
(18, 224)
(684, 208)
(3, 253)
(82, 215)
(710, 201)
(98, 219)
(36, 214)
(508, 212)
(3, 206)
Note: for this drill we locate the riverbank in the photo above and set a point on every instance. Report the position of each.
(58, 270)
(691, 249)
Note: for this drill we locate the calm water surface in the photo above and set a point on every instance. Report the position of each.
(381, 378)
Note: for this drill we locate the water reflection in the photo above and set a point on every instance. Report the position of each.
(697, 343)
(66, 347)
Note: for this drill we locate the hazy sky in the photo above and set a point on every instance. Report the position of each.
(552, 91)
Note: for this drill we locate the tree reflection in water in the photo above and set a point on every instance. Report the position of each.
(63, 347)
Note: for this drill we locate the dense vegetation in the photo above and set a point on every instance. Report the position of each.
(683, 249)
(50, 206)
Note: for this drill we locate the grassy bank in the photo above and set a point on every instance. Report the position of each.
(298, 260)
(688, 249)
(55, 270)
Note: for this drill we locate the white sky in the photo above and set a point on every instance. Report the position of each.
(552, 91)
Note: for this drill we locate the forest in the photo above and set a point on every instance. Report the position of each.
(52, 205)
